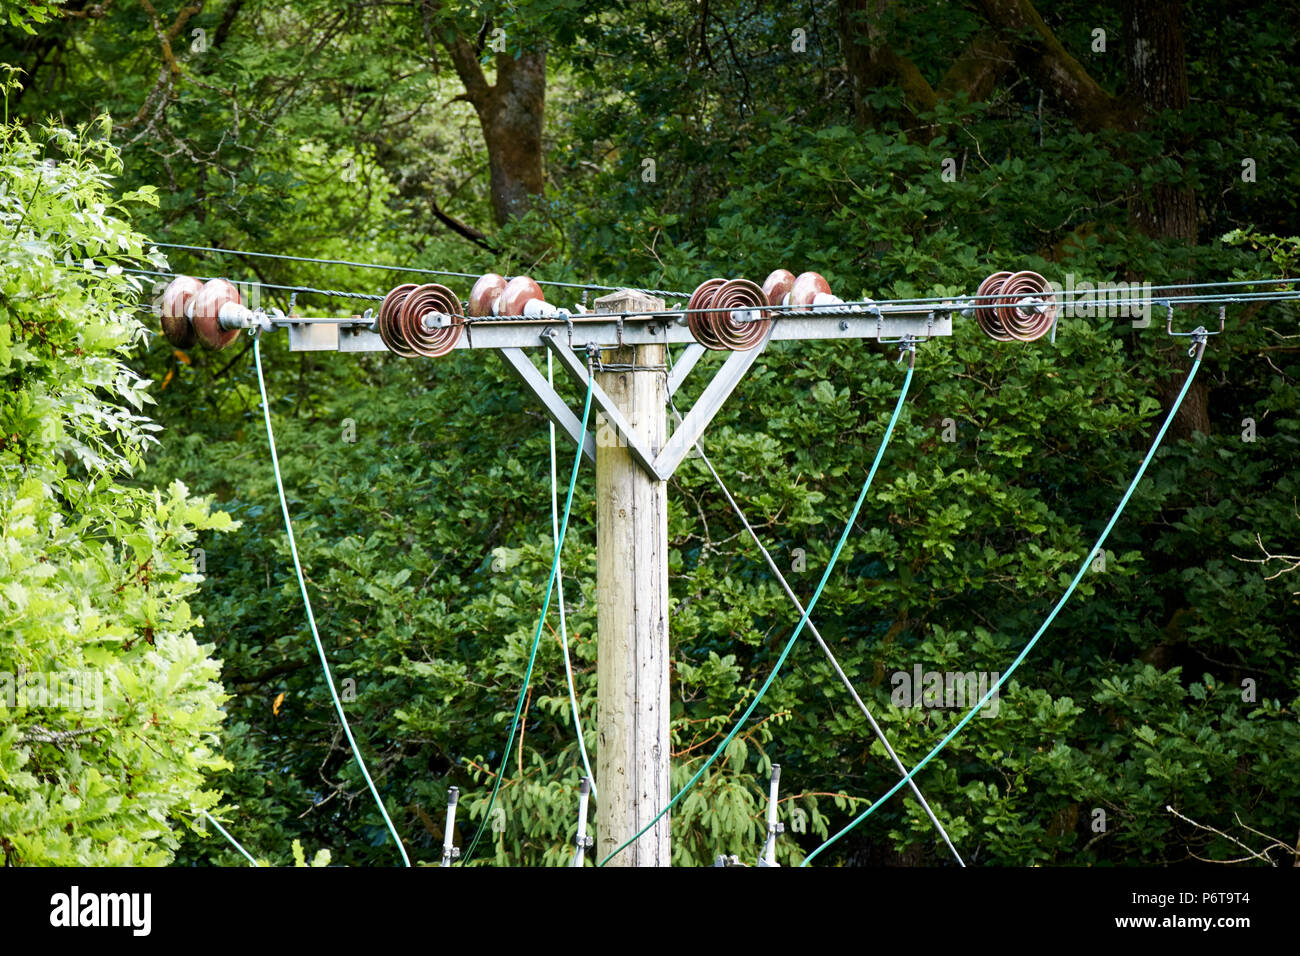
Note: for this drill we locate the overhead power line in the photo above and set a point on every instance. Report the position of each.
(408, 269)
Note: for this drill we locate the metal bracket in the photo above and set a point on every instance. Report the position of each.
(682, 367)
(706, 407)
(574, 366)
(554, 406)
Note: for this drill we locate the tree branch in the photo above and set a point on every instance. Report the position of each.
(1044, 58)
(460, 228)
(477, 90)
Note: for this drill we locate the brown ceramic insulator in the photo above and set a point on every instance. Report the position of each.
(176, 324)
(777, 285)
(484, 295)
(419, 303)
(207, 311)
(1025, 322)
(807, 287)
(986, 313)
(701, 323)
(518, 292)
(739, 294)
(390, 311)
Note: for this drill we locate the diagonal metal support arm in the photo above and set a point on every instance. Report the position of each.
(706, 406)
(554, 406)
(627, 435)
(682, 367)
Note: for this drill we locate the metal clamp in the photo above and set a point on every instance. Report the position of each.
(450, 852)
(1199, 335)
(581, 842)
(767, 856)
(905, 344)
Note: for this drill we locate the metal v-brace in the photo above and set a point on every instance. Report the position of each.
(659, 463)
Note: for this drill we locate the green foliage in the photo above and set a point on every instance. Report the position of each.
(109, 707)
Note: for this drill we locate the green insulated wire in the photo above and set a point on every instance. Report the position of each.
(803, 620)
(559, 601)
(1034, 640)
(233, 842)
(541, 619)
(311, 618)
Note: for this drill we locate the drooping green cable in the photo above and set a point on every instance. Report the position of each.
(311, 618)
(803, 620)
(541, 620)
(1087, 561)
(559, 601)
(233, 841)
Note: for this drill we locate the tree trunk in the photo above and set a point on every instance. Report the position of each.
(1156, 73)
(512, 130)
(511, 113)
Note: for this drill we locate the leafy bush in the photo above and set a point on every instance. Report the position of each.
(109, 706)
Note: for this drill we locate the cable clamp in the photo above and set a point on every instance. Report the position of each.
(906, 344)
(1199, 335)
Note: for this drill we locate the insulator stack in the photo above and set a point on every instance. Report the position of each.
(431, 321)
(777, 286)
(1016, 306)
(724, 329)
(522, 296)
(809, 288)
(176, 324)
(193, 311)
(390, 311)
(215, 295)
(485, 294)
(492, 295)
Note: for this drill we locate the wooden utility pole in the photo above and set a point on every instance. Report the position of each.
(634, 458)
(632, 604)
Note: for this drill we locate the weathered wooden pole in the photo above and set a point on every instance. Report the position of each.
(632, 604)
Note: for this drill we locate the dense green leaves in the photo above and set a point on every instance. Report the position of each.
(109, 707)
